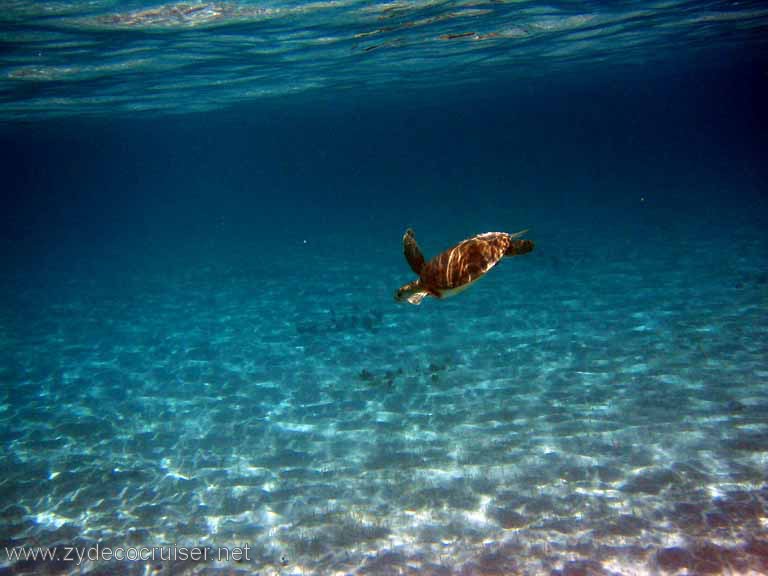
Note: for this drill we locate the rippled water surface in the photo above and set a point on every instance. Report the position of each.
(62, 58)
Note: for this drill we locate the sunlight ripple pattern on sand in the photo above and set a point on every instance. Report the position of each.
(473, 436)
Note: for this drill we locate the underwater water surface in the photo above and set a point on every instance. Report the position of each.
(203, 210)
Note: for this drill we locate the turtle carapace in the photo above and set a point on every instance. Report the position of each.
(457, 268)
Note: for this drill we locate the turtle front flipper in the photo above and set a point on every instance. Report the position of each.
(412, 252)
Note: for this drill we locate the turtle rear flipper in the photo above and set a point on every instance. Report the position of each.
(517, 247)
(412, 252)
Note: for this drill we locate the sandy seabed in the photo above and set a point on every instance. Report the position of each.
(571, 414)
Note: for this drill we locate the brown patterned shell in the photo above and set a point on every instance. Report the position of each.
(469, 260)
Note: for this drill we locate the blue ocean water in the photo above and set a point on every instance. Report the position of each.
(203, 210)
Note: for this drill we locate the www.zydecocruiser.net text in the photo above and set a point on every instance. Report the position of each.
(97, 553)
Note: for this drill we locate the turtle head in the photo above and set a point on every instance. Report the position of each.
(409, 291)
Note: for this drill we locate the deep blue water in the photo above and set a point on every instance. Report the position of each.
(203, 208)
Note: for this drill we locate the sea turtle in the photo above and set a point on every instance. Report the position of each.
(455, 270)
